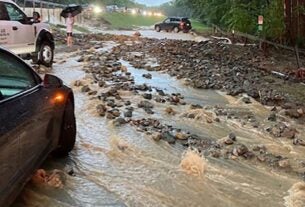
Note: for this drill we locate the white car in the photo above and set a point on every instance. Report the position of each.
(25, 36)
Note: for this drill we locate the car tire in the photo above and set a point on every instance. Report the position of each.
(46, 54)
(67, 135)
(176, 29)
(158, 29)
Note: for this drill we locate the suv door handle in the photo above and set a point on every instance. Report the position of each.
(15, 28)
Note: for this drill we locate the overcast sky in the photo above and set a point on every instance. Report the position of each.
(152, 2)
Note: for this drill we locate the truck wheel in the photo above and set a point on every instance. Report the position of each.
(68, 131)
(176, 29)
(46, 54)
(158, 29)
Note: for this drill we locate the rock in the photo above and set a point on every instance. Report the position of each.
(209, 120)
(101, 109)
(147, 96)
(288, 105)
(217, 119)
(289, 133)
(170, 111)
(272, 116)
(85, 89)
(127, 103)
(145, 104)
(168, 137)
(78, 83)
(300, 111)
(110, 116)
(92, 93)
(261, 158)
(128, 113)
(195, 106)
(101, 83)
(157, 137)
(148, 76)
(137, 34)
(115, 112)
(275, 131)
(232, 136)
(228, 141)
(249, 155)
(216, 153)
(81, 59)
(181, 136)
(260, 148)
(160, 92)
(284, 163)
(246, 100)
(148, 110)
(191, 116)
(240, 150)
(299, 142)
(119, 121)
(293, 113)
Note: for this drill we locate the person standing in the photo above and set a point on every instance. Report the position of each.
(70, 23)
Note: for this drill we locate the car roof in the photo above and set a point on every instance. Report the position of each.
(179, 17)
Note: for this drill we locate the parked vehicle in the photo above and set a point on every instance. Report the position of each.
(36, 118)
(175, 24)
(25, 36)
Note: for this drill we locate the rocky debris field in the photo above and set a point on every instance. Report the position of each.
(234, 70)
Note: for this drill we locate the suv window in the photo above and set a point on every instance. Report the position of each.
(15, 76)
(3, 12)
(175, 20)
(167, 21)
(14, 13)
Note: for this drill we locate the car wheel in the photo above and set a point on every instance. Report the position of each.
(68, 131)
(158, 29)
(46, 54)
(176, 29)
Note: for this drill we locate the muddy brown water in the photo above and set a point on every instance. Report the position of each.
(119, 166)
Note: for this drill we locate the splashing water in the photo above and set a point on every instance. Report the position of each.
(193, 163)
(54, 178)
(296, 197)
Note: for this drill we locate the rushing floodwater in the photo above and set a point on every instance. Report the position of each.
(118, 166)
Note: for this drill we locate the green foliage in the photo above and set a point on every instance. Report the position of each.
(274, 20)
(240, 15)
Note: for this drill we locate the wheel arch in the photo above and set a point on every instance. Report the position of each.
(44, 35)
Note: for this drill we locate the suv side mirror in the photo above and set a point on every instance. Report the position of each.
(51, 81)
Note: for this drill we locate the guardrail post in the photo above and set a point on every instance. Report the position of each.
(48, 12)
(41, 10)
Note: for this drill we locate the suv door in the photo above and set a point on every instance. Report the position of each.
(5, 28)
(22, 31)
(174, 23)
(165, 25)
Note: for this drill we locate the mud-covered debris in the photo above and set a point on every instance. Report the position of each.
(170, 111)
(147, 76)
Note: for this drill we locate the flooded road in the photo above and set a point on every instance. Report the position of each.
(122, 166)
(150, 33)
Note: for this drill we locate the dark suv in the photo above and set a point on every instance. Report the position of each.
(175, 24)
